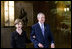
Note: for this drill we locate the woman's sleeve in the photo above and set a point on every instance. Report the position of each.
(13, 45)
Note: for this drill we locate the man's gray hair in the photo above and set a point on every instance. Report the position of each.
(40, 14)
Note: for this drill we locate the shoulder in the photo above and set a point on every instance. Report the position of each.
(34, 25)
(23, 31)
(47, 25)
(13, 33)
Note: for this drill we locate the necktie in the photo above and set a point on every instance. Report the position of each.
(42, 28)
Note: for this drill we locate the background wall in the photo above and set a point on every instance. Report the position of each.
(28, 7)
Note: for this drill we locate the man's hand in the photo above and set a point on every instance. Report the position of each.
(52, 45)
(40, 45)
(34, 36)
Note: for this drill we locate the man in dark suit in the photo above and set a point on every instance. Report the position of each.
(41, 34)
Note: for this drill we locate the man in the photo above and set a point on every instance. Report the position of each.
(41, 34)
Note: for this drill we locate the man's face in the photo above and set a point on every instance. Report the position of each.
(41, 18)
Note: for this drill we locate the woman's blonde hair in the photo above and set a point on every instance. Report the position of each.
(17, 21)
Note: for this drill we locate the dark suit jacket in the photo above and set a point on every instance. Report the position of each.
(39, 38)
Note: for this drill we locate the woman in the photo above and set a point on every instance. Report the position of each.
(18, 37)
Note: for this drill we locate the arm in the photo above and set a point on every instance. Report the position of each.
(13, 45)
(32, 36)
(51, 39)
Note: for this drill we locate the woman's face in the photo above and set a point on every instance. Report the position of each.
(19, 25)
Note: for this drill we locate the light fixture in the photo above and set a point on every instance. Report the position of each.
(66, 9)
